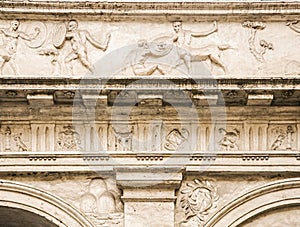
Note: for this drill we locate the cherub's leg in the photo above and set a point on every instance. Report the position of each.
(68, 61)
(215, 58)
(84, 60)
(187, 61)
(186, 57)
(107, 39)
(141, 70)
(2, 62)
(14, 67)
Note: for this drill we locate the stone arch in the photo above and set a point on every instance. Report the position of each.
(24, 197)
(275, 195)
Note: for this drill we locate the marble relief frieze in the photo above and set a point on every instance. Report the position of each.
(152, 137)
(80, 47)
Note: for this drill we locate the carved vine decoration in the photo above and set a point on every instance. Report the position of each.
(258, 52)
(198, 199)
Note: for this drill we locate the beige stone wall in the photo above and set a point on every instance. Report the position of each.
(149, 114)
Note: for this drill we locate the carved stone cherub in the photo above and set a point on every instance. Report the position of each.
(9, 48)
(78, 39)
(138, 60)
(182, 39)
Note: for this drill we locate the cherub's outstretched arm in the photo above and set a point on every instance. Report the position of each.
(206, 33)
(30, 37)
(291, 24)
(96, 43)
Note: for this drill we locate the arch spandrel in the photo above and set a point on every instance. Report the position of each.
(55, 210)
(259, 201)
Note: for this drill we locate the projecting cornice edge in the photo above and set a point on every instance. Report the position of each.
(169, 10)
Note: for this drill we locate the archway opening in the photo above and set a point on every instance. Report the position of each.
(14, 217)
(282, 216)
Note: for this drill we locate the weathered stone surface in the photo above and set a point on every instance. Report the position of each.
(177, 113)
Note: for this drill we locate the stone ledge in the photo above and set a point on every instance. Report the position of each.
(129, 9)
(126, 165)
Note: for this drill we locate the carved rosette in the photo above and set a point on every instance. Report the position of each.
(198, 199)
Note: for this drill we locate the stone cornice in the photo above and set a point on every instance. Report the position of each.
(237, 162)
(153, 82)
(170, 10)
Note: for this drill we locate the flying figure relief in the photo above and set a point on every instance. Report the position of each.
(11, 38)
(78, 39)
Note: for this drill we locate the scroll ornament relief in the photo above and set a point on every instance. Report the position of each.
(14, 141)
(283, 137)
(258, 52)
(229, 140)
(101, 205)
(69, 139)
(78, 39)
(175, 139)
(198, 199)
(11, 36)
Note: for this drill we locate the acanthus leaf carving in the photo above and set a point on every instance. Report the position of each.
(198, 199)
